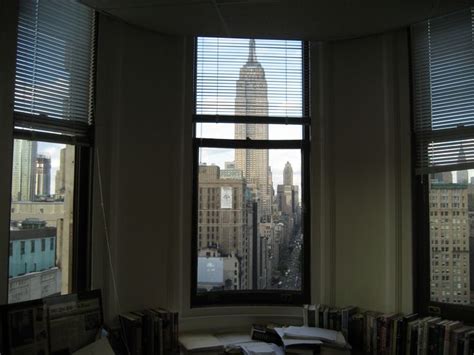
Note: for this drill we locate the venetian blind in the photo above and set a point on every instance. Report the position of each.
(55, 53)
(443, 75)
(247, 77)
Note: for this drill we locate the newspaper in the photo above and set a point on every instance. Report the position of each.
(74, 323)
(28, 331)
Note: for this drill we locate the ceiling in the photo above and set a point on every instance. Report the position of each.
(297, 19)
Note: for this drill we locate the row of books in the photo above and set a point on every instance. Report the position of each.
(150, 332)
(372, 332)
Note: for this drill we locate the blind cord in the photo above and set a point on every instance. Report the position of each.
(109, 253)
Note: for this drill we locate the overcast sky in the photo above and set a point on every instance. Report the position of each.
(51, 150)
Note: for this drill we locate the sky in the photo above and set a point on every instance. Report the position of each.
(215, 94)
(51, 150)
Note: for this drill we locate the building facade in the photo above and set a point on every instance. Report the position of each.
(24, 170)
(251, 100)
(449, 242)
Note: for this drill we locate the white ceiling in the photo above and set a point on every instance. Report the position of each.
(299, 19)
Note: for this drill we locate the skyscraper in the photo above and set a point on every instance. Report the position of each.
(449, 239)
(288, 174)
(43, 175)
(251, 100)
(24, 167)
(462, 175)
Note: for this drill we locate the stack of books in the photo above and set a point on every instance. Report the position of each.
(372, 332)
(150, 332)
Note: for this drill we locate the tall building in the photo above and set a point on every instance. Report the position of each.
(462, 175)
(288, 174)
(445, 177)
(43, 176)
(251, 100)
(222, 219)
(24, 170)
(449, 239)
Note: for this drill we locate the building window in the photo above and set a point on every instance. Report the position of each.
(51, 244)
(22, 248)
(251, 154)
(443, 87)
(53, 130)
(32, 243)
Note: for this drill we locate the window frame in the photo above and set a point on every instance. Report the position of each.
(276, 297)
(422, 262)
(422, 303)
(80, 135)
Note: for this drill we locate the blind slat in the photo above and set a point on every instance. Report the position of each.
(443, 73)
(55, 54)
(223, 69)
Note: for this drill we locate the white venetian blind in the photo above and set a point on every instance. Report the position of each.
(55, 54)
(246, 77)
(443, 74)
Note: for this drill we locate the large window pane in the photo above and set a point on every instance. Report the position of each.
(40, 258)
(249, 231)
(225, 65)
(451, 201)
(54, 59)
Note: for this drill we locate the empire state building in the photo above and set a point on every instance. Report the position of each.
(251, 100)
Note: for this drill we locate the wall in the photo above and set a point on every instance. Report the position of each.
(361, 215)
(362, 171)
(138, 113)
(8, 10)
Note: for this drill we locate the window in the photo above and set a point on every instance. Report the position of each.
(251, 172)
(443, 92)
(53, 123)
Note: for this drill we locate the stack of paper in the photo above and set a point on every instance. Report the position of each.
(293, 337)
(200, 343)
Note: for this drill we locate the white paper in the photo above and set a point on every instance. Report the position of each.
(199, 342)
(327, 335)
(292, 341)
(261, 348)
(233, 338)
(100, 347)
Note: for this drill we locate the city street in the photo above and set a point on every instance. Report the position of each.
(291, 279)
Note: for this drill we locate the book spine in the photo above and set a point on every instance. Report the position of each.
(305, 315)
(311, 316)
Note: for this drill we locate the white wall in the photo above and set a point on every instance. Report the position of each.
(362, 173)
(361, 230)
(8, 10)
(139, 104)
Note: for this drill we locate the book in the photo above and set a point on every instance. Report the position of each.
(448, 334)
(346, 315)
(263, 333)
(311, 315)
(412, 337)
(457, 339)
(132, 328)
(369, 325)
(402, 334)
(305, 314)
(356, 332)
